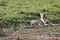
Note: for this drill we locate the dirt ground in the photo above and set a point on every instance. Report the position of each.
(38, 33)
(30, 34)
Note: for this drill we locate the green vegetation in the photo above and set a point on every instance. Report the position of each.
(14, 12)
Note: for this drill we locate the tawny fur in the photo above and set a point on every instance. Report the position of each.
(42, 21)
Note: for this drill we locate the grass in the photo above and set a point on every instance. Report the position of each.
(23, 11)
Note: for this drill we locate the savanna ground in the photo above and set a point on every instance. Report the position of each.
(38, 33)
(18, 13)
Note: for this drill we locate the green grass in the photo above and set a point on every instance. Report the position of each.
(22, 11)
